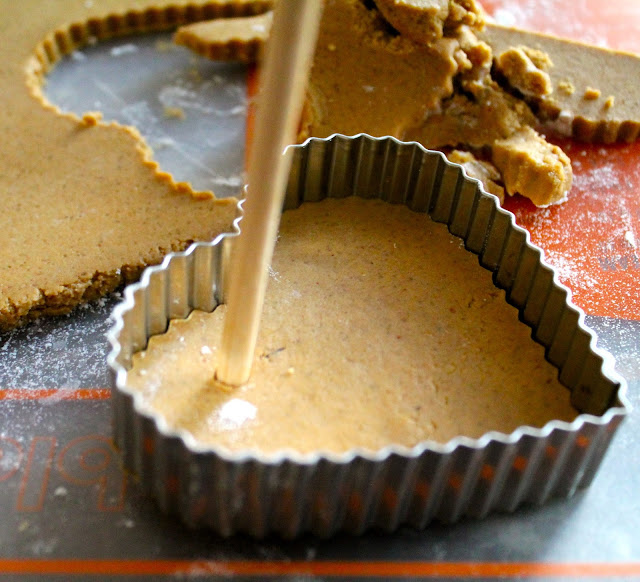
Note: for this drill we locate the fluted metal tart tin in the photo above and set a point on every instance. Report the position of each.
(288, 493)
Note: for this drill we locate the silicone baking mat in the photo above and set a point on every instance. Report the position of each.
(67, 507)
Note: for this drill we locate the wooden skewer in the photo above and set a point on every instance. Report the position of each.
(283, 80)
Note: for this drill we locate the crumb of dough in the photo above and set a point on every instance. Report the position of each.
(525, 70)
(174, 112)
(591, 94)
(474, 58)
(610, 102)
(528, 163)
(566, 87)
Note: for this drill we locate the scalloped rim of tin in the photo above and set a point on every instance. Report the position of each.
(620, 408)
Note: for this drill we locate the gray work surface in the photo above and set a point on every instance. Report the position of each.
(68, 508)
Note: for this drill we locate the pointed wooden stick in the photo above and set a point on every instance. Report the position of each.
(283, 80)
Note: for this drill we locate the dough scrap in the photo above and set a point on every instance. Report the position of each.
(382, 70)
(478, 111)
(228, 39)
(85, 207)
(426, 21)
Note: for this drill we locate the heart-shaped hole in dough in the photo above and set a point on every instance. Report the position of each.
(86, 206)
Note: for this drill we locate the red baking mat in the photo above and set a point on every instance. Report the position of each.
(592, 239)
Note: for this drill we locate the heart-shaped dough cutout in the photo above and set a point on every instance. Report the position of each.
(379, 329)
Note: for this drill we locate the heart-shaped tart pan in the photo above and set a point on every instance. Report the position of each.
(290, 494)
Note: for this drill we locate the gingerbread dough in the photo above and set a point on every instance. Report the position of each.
(237, 39)
(429, 20)
(378, 328)
(593, 94)
(366, 78)
(84, 206)
(413, 69)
